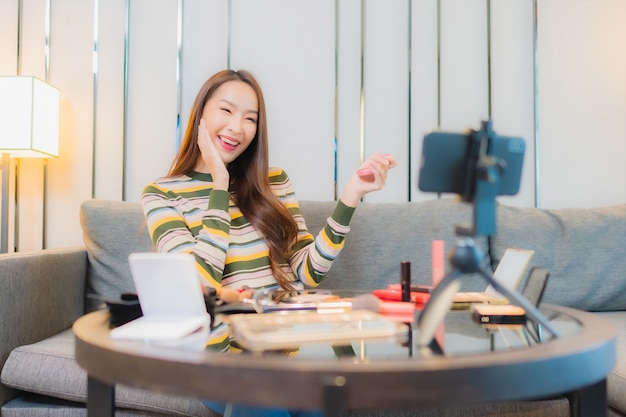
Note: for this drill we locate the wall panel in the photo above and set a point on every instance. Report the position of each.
(8, 34)
(9, 66)
(512, 84)
(464, 64)
(29, 225)
(206, 26)
(422, 64)
(71, 70)
(349, 87)
(582, 83)
(152, 93)
(424, 84)
(108, 178)
(291, 52)
(33, 37)
(386, 87)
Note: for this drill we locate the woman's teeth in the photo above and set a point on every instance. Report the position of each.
(228, 141)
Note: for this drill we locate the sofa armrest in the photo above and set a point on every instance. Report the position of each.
(41, 294)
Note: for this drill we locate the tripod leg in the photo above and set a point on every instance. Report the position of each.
(435, 311)
(517, 299)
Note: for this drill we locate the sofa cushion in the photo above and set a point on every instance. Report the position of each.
(112, 230)
(583, 249)
(48, 368)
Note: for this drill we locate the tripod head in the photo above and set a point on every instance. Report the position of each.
(478, 166)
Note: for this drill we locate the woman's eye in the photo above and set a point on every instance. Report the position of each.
(225, 109)
(251, 119)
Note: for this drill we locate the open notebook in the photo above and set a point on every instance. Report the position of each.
(171, 299)
(509, 273)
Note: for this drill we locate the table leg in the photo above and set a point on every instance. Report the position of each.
(100, 398)
(590, 401)
(333, 392)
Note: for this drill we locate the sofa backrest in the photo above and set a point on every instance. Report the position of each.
(382, 236)
(583, 249)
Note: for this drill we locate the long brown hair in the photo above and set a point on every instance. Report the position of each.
(249, 178)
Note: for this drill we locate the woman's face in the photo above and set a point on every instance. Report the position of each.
(231, 117)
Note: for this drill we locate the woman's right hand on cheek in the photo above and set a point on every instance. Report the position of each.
(211, 158)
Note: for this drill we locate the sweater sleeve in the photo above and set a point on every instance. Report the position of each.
(177, 226)
(313, 256)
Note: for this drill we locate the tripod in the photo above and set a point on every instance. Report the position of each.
(482, 176)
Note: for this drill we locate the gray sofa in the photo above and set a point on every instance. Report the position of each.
(42, 293)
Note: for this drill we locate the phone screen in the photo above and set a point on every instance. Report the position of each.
(448, 164)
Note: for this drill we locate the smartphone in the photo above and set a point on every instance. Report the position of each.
(449, 163)
(498, 314)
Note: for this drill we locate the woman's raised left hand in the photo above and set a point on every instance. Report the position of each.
(370, 176)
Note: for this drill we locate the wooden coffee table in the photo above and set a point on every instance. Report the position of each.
(576, 365)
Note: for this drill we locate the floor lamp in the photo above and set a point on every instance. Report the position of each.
(29, 128)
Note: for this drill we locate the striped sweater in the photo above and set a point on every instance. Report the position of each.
(185, 214)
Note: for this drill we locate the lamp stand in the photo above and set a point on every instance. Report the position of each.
(4, 221)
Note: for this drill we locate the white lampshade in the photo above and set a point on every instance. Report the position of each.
(29, 117)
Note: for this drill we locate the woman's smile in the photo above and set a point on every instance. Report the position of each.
(230, 144)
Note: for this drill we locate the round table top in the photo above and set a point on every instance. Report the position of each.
(574, 360)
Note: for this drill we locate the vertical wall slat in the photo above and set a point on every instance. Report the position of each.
(152, 93)
(8, 34)
(583, 102)
(29, 213)
(9, 66)
(33, 39)
(386, 75)
(292, 55)
(349, 45)
(71, 70)
(109, 101)
(204, 49)
(464, 71)
(512, 82)
(425, 74)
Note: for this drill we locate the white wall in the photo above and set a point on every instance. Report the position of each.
(582, 90)
(374, 74)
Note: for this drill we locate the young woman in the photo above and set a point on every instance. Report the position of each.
(240, 219)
